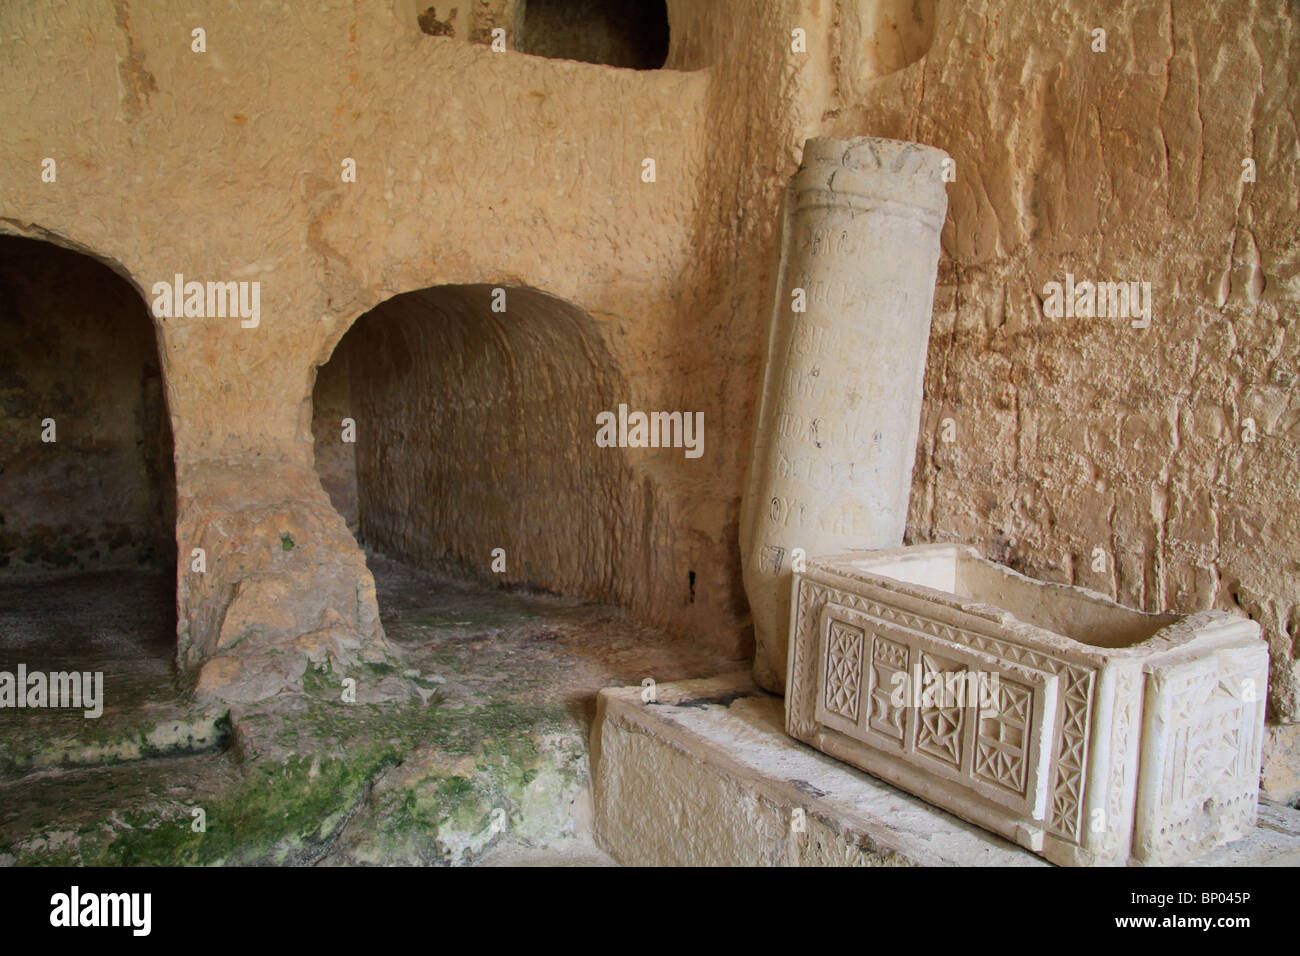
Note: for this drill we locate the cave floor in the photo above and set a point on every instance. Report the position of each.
(470, 749)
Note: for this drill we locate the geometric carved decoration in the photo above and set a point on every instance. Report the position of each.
(1210, 740)
(844, 670)
(1072, 758)
(1003, 734)
(998, 718)
(939, 727)
(888, 680)
(1210, 759)
(889, 670)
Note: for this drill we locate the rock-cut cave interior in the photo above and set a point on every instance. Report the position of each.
(650, 433)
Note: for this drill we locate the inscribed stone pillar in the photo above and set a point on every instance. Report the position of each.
(840, 402)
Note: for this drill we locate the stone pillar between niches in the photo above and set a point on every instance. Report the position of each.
(840, 400)
(269, 582)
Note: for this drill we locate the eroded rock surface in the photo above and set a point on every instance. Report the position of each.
(1068, 436)
(468, 742)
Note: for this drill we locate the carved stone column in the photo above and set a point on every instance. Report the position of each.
(840, 405)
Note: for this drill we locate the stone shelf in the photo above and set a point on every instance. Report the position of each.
(706, 775)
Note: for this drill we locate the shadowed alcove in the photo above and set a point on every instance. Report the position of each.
(87, 494)
(513, 556)
(475, 431)
(626, 33)
(632, 34)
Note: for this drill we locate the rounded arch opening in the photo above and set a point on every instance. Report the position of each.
(455, 431)
(87, 481)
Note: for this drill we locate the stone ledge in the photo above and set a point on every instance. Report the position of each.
(706, 776)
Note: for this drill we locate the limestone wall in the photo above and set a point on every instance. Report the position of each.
(472, 167)
(1086, 450)
(478, 167)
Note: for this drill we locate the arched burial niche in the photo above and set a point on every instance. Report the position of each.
(87, 487)
(476, 430)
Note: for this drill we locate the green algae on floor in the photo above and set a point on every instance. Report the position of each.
(474, 739)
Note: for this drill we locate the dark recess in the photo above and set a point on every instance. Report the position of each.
(626, 33)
